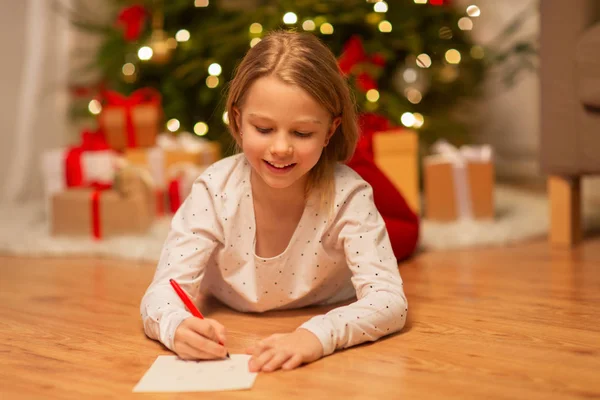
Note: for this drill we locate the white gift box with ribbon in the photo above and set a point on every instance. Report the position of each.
(96, 166)
(470, 170)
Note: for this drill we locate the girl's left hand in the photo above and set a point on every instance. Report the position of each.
(285, 350)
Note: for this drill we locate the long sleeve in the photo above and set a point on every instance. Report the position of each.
(381, 305)
(194, 234)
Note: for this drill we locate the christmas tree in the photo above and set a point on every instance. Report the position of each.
(411, 61)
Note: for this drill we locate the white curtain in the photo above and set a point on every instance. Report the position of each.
(35, 41)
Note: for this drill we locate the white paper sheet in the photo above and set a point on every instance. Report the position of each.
(172, 374)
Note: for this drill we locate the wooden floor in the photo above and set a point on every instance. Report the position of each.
(512, 323)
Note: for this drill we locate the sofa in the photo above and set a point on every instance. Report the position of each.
(570, 108)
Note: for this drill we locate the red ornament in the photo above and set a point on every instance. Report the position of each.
(132, 20)
(354, 55)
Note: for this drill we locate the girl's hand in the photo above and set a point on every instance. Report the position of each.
(286, 351)
(198, 339)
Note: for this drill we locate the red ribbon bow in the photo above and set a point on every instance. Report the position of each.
(112, 99)
(354, 55)
(90, 141)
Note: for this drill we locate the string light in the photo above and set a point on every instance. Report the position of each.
(214, 69)
(372, 95)
(145, 53)
(423, 60)
(326, 29)
(380, 7)
(200, 128)
(414, 96)
(385, 26)
(419, 120)
(212, 81)
(407, 119)
(477, 52)
(256, 28)
(445, 33)
(201, 3)
(308, 25)
(254, 41)
(182, 35)
(95, 107)
(465, 24)
(171, 43)
(410, 75)
(290, 18)
(226, 118)
(173, 124)
(452, 56)
(128, 69)
(473, 11)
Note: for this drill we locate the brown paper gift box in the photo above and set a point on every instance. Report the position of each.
(396, 154)
(118, 214)
(441, 203)
(141, 157)
(145, 119)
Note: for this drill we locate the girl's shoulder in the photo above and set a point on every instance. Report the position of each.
(229, 173)
(348, 181)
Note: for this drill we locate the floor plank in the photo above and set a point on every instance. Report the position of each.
(502, 323)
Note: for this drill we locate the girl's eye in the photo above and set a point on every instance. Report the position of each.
(263, 130)
(302, 134)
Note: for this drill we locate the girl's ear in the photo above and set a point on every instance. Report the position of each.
(334, 125)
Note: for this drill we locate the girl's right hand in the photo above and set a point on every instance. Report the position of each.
(198, 339)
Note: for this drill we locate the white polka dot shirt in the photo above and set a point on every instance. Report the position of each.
(331, 257)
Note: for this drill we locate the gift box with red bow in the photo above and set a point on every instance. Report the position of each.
(131, 121)
(127, 207)
(181, 177)
(170, 151)
(90, 163)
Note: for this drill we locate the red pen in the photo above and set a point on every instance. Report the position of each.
(188, 303)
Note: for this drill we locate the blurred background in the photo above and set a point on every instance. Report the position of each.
(464, 72)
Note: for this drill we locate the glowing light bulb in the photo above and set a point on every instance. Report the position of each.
(407, 119)
(182, 35)
(453, 56)
(256, 28)
(173, 124)
(214, 69)
(226, 118)
(290, 18)
(145, 53)
(95, 107)
(212, 81)
(372, 95)
(465, 24)
(385, 26)
(423, 60)
(309, 25)
(254, 41)
(326, 28)
(128, 69)
(473, 11)
(200, 128)
(380, 7)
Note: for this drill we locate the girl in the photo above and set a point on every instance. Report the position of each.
(284, 224)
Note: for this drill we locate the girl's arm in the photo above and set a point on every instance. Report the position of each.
(381, 307)
(195, 232)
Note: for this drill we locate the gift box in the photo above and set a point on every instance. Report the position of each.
(459, 183)
(181, 177)
(126, 208)
(91, 163)
(396, 154)
(170, 151)
(133, 121)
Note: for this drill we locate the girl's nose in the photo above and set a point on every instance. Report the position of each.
(281, 146)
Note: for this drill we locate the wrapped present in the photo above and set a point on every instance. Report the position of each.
(459, 183)
(91, 163)
(396, 154)
(133, 121)
(181, 177)
(125, 208)
(172, 150)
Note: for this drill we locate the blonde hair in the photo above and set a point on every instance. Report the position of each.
(301, 59)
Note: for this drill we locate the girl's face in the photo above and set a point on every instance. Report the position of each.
(283, 132)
